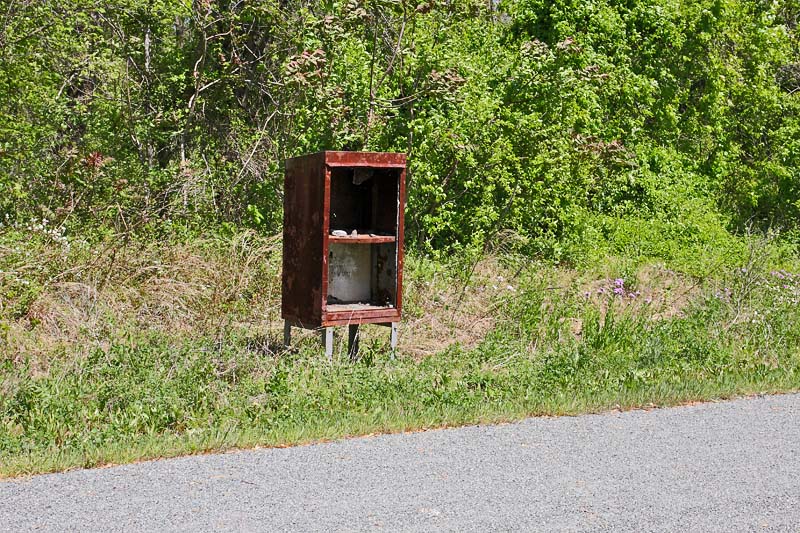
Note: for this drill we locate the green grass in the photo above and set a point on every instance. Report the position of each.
(516, 339)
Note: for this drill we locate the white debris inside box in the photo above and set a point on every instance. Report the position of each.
(349, 274)
(363, 274)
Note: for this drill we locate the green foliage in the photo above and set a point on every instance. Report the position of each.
(552, 120)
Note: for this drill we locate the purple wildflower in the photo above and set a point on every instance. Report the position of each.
(619, 282)
(619, 290)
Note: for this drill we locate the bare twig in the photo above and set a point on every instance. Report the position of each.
(256, 144)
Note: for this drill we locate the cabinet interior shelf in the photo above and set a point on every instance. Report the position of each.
(358, 306)
(362, 239)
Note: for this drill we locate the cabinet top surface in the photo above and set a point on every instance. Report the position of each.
(356, 159)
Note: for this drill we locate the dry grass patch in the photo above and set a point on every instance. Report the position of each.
(85, 299)
(81, 299)
(443, 311)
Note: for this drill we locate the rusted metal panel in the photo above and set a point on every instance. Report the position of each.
(362, 193)
(303, 239)
(365, 159)
(361, 317)
(326, 231)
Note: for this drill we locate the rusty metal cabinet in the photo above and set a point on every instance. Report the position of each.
(343, 241)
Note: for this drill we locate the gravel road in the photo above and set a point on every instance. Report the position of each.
(732, 466)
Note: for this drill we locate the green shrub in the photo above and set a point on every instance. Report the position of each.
(545, 119)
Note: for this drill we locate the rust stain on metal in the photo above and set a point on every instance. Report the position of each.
(365, 159)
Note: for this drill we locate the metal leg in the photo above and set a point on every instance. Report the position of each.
(287, 334)
(352, 341)
(394, 338)
(327, 341)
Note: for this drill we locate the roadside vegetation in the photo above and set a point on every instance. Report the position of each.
(603, 208)
(126, 351)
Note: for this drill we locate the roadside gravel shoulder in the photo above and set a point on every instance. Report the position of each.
(728, 466)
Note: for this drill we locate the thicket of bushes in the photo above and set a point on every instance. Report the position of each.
(570, 123)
